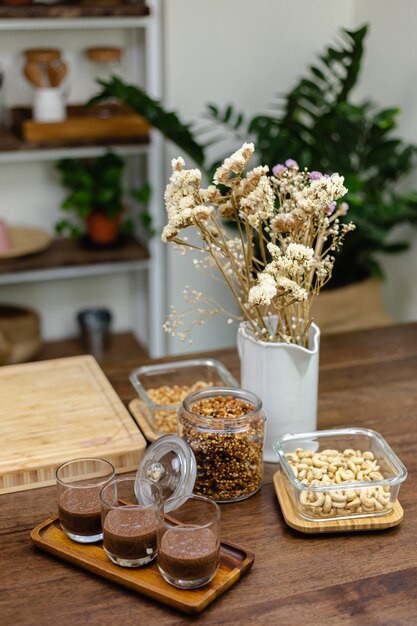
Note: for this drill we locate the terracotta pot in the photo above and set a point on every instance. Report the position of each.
(102, 229)
(353, 307)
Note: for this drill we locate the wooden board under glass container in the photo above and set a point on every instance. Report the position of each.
(54, 411)
(293, 519)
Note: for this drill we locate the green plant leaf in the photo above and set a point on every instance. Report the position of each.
(145, 219)
(142, 194)
(167, 122)
(67, 228)
(320, 126)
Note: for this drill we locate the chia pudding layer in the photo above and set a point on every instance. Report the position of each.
(189, 553)
(79, 510)
(130, 533)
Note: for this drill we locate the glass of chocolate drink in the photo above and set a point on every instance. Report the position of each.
(189, 541)
(130, 521)
(79, 483)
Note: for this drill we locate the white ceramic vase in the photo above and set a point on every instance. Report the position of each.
(48, 104)
(285, 377)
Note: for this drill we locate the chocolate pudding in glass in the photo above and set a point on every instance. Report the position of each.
(79, 483)
(129, 523)
(188, 542)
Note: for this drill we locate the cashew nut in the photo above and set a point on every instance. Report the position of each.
(366, 500)
(319, 501)
(333, 467)
(327, 503)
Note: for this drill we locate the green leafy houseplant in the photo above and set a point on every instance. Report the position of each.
(96, 189)
(319, 126)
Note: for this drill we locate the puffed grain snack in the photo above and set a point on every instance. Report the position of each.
(166, 421)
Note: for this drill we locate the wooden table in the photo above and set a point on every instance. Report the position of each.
(368, 379)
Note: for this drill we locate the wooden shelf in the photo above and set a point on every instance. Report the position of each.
(15, 150)
(72, 10)
(122, 347)
(67, 258)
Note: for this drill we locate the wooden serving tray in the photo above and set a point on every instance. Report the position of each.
(83, 124)
(294, 520)
(234, 562)
(54, 411)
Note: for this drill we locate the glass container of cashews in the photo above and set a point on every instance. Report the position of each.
(340, 474)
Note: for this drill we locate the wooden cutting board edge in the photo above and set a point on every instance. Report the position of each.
(124, 455)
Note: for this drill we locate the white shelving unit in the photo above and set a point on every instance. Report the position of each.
(144, 274)
(53, 154)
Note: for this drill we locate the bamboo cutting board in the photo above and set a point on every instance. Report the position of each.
(54, 411)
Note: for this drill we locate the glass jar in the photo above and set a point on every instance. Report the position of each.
(105, 62)
(225, 428)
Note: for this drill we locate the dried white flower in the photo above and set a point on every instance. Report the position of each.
(264, 292)
(258, 205)
(299, 251)
(235, 164)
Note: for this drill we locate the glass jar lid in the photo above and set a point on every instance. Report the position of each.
(171, 464)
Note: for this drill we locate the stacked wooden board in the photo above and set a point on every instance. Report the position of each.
(54, 411)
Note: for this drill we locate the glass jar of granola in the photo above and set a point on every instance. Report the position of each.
(225, 429)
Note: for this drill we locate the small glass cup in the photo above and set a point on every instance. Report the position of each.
(189, 541)
(79, 483)
(129, 510)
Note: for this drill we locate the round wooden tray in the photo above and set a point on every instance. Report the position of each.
(26, 241)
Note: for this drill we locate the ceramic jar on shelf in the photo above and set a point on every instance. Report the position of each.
(46, 71)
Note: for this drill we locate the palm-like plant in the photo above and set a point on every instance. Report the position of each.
(318, 125)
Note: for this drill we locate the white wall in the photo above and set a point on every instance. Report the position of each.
(389, 79)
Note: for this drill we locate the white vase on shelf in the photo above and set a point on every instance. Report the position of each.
(285, 377)
(48, 104)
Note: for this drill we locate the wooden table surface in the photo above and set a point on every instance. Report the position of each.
(368, 379)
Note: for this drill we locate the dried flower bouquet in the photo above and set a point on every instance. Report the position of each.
(277, 258)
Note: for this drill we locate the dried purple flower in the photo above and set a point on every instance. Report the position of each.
(315, 175)
(344, 208)
(279, 169)
(291, 164)
(330, 209)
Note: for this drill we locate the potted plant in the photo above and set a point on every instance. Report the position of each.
(96, 199)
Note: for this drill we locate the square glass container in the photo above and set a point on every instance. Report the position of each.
(163, 387)
(351, 498)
